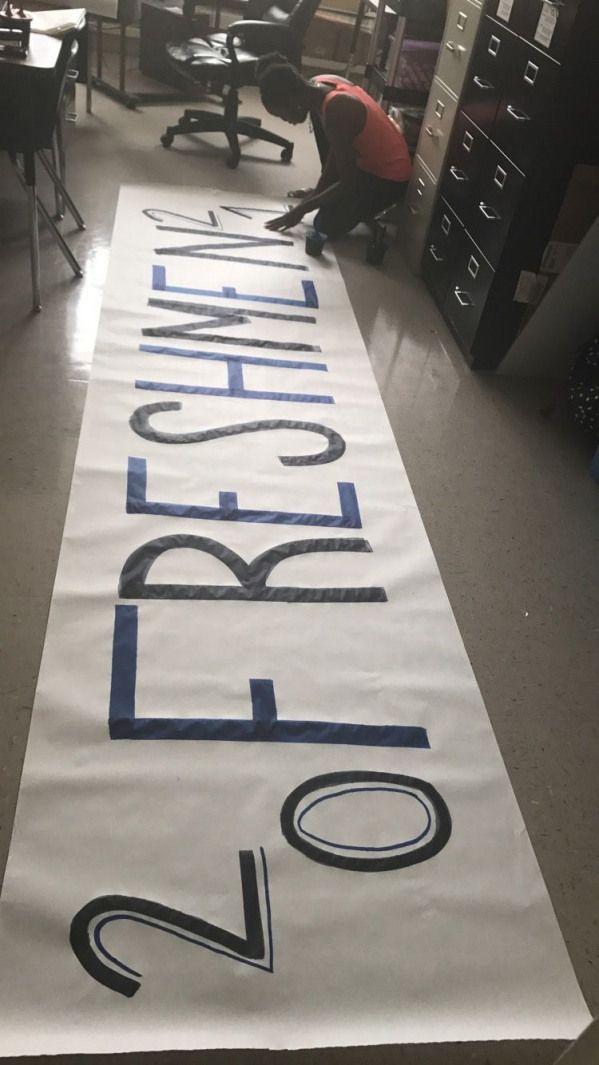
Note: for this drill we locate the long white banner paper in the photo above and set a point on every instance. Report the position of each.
(262, 803)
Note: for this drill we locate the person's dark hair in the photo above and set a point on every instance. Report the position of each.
(277, 78)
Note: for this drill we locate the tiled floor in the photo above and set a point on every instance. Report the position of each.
(505, 495)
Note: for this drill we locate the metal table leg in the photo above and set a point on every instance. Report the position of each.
(26, 176)
(122, 55)
(61, 190)
(89, 75)
(34, 237)
(355, 36)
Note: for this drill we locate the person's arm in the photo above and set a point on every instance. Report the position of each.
(329, 175)
(346, 117)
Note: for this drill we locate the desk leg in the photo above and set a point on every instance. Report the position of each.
(58, 164)
(122, 55)
(99, 46)
(355, 36)
(34, 236)
(119, 93)
(89, 79)
(57, 180)
(374, 44)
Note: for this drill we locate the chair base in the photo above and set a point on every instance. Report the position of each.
(193, 121)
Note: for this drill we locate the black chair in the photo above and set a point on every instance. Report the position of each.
(226, 61)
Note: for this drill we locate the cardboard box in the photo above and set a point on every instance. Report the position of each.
(579, 209)
(578, 212)
(344, 7)
(580, 206)
(330, 34)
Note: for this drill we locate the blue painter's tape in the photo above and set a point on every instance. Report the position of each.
(245, 393)
(263, 727)
(228, 509)
(159, 284)
(223, 356)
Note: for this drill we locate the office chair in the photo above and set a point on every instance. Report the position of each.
(227, 61)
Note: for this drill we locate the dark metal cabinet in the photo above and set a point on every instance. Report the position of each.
(547, 24)
(529, 115)
(489, 74)
(442, 250)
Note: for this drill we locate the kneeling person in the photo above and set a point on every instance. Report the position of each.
(364, 156)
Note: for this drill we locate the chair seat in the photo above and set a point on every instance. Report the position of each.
(210, 53)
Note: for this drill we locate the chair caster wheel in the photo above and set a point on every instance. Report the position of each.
(166, 139)
(287, 155)
(375, 252)
(233, 161)
(314, 244)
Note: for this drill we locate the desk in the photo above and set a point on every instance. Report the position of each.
(31, 90)
(27, 89)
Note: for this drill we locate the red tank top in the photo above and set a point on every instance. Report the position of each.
(381, 147)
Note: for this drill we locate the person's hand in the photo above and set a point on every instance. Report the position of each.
(287, 220)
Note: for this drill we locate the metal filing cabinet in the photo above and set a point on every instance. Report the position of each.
(529, 114)
(463, 19)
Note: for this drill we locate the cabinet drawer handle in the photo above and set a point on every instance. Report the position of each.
(494, 46)
(457, 174)
(515, 112)
(464, 298)
(500, 176)
(439, 109)
(468, 141)
(461, 20)
(482, 83)
(555, 3)
(530, 73)
(435, 254)
(446, 224)
(473, 266)
(430, 132)
(489, 212)
(450, 46)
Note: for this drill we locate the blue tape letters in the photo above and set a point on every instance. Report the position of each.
(264, 725)
(229, 510)
(236, 384)
(159, 284)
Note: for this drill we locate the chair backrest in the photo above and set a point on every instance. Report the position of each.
(267, 11)
(301, 16)
(297, 14)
